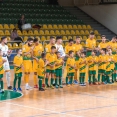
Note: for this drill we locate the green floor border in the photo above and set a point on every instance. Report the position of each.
(10, 95)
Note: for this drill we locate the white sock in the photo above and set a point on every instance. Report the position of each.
(8, 77)
(26, 84)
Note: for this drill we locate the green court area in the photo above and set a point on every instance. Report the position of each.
(7, 95)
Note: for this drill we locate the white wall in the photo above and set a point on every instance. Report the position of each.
(105, 14)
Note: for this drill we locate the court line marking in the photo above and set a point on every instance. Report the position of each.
(12, 98)
(41, 109)
(84, 109)
(90, 95)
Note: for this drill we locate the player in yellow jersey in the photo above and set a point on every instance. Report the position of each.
(115, 70)
(52, 43)
(2, 61)
(42, 63)
(78, 49)
(90, 44)
(70, 64)
(50, 69)
(113, 45)
(37, 51)
(102, 60)
(92, 66)
(27, 63)
(18, 63)
(109, 67)
(69, 47)
(103, 44)
(58, 71)
(82, 68)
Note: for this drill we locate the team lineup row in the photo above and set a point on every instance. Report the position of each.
(50, 65)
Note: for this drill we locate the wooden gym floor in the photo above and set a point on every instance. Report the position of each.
(75, 101)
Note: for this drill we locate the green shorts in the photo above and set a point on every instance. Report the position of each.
(58, 72)
(18, 75)
(70, 74)
(92, 72)
(108, 72)
(41, 77)
(115, 66)
(113, 53)
(101, 71)
(82, 74)
(1, 76)
(50, 71)
(88, 53)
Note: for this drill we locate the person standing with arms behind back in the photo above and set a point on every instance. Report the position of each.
(27, 63)
(6, 53)
(59, 46)
(37, 51)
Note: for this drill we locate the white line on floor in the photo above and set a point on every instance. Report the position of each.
(41, 109)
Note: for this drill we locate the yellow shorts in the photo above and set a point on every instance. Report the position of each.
(35, 66)
(27, 65)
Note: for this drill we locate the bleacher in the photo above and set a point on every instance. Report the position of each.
(54, 19)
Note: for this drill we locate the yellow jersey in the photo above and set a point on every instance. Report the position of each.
(59, 61)
(41, 68)
(18, 60)
(26, 49)
(110, 64)
(1, 66)
(102, 60)
(90, 43)
(37, 51)
(48, 48)
(78, 47)
(68, 48)
(115, 58)
(92, 65)
(113, 45)
(82, 67)
(103, 45)
(52, 58)
(70, 61)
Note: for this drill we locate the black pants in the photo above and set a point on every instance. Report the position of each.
(18, 39)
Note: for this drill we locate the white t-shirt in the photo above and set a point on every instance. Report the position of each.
(61, 50)
(4, 50)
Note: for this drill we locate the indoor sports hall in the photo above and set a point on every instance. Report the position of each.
(58, 58)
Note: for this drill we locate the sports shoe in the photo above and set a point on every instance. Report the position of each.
(27, 87)
(10, 87)
(61, 86)
(19, 89)
(99, 83)
(41, 89)
(84, 84)
(75, 82)
(14, 89)
(48, 85)
(51, 86)
(81, 84)
(56, 86)
(94, 83)
(30, 87)
(35, 86)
